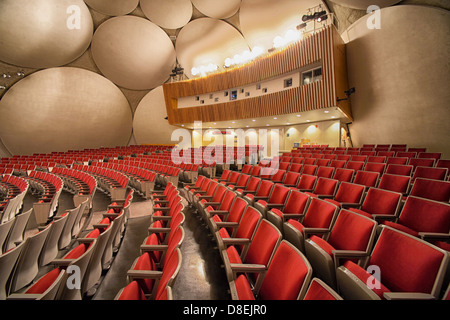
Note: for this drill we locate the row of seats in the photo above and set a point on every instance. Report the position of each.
(327, 225)
(153, 273)
(111, 182)
(90, 251)
(13, 189)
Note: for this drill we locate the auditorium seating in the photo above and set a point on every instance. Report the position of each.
(286, 278)
(400, 267)
(363, 182)
(351, 237)
(317, 220)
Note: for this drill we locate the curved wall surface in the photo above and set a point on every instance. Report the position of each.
(58, 109)
(401, 75)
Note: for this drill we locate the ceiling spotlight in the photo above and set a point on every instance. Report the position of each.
(6, 75)
(2, 87)
(20, 74)
(322, 15)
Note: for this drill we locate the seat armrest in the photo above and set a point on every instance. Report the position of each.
(23, 296)
(434, 236)
(144, 274)
(408, 296)
(311, 231)
(235, 241)
(243, 267)
(347, 254)
(154, 247)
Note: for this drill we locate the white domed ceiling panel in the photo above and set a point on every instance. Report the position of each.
(64, 108)
(364, 4)
(149, 125)
(133, 52)
(218, 9)
(168, 14)
(207, 41)
(113, 7)
(44, 33)
(262, 20)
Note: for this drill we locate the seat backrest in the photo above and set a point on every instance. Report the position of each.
(291, 178)
(306, 182)
(219, 193)
(349, 193)
(352, 231)
(265, 187)
(233, 177)
(145, 262)
(297, 202)
(424, 215)
(343, 174)
(430, 173)
(409, 264)
(355, 165)
(309, 169)
(253, 183)
(227, 200)
(279, 194)
(287, 276)
(431, 189)
(18, 230)
(28, 264)
(326, 186)
(7, 262)
(237, 209)
(296, 167)
(170, 272)
(366, 178)
(242, 180)
(267, 238)
(395, 183)
(249, 221)
(421, 162)
(320, 214)
(325, 172)
(379, 201)
(400, 169)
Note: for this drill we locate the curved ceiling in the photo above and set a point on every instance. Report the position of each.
(32, 39)
(133, 52)
(63, 108)
(113, 7)
(169, 14)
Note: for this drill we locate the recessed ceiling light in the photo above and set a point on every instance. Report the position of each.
(233, 122)
(215, 123)
(246, 126)
(332, 117)
(267, 124)
(288, 123)
(299, 115)
(275, 118)
(326, 111)
(182, 125)
(253, 120)
(308, 120)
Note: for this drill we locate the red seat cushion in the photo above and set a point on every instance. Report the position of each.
(285, 275)
(76, 252)
(243, 288)
(44, 283)
(318, 292)
(144, 262)
(132, 292)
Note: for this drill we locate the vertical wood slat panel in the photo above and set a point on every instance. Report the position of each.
(317, 47)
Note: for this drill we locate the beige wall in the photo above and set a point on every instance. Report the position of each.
(324, 132)
(401, 75)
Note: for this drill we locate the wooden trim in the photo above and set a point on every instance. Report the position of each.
(325, 46)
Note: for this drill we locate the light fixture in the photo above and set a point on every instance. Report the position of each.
(244, 57)
(2, 87)
(20, 74)
(275, 118)
(326, 111)
(253, 120)
(5, 75)
(299, 115)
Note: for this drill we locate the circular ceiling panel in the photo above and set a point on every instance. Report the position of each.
(113, 7)
(64, 108)
(133, 52)
(207, 41)
(262, 20)
(364, 4)
(45, 33)
(149, 125)
(218, 9)
(168, 14)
